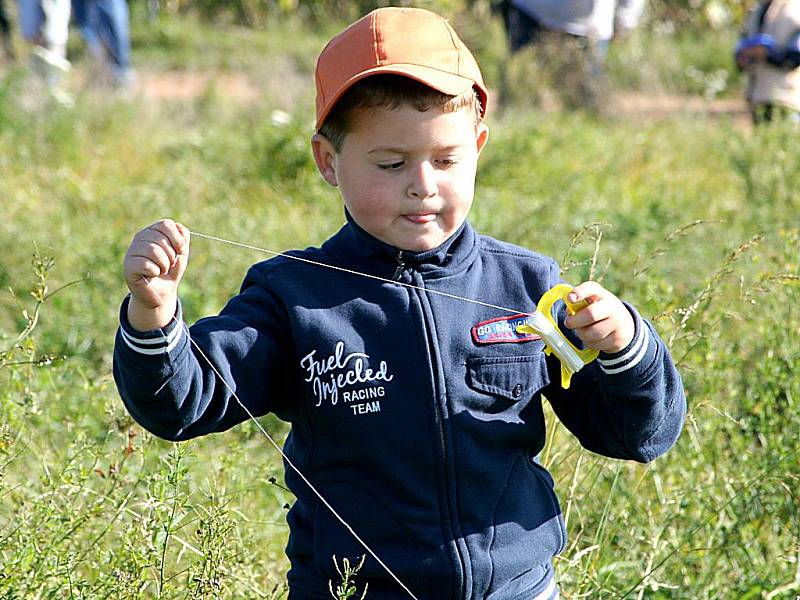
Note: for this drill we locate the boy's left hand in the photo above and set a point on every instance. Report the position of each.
(606, 324)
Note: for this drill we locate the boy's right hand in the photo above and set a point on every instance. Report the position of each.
(154, 265)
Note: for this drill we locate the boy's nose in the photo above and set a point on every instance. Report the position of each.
(423, 183)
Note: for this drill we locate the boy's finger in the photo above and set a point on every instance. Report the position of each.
(588, 290)
(595, 333)
(597, 310)
(154, 253)
(152, 237)
(169, 228)
(170, 232)
(186, 235)
(141, 266)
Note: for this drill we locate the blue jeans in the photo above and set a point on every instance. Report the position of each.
(105, 26)
(45, 21)
(5, 24)
(521, 28)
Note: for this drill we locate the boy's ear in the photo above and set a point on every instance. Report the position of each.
(482, 137)
(325, 157)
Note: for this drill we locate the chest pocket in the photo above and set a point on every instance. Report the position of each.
(513, 378)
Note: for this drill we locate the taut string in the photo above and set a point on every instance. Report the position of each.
(300, 473)
(269, 437)
(367, 275)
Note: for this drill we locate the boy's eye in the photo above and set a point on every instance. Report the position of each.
(390, 166)
(447, 162)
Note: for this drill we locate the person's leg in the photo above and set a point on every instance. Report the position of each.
(55, 29)
(596, 87)
(5, 26)
(521, 29)
(598, 53)
(564, 69)
(5, 32)
(50, 55)
(113, 27)
(31, 18)
(45, 24)
(81, 17)
(761, 113)
(576, 67)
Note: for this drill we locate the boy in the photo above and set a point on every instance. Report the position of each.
(416, 415)
(769, 50)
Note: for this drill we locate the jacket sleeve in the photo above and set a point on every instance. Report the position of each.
(166, 380)
(628, 405)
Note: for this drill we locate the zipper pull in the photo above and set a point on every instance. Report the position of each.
(398, 272)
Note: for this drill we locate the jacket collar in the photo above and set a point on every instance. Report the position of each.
(355, 246)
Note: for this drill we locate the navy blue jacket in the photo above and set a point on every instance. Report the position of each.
(419, 417)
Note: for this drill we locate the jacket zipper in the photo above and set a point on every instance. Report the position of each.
(398, 272)
(443, 447)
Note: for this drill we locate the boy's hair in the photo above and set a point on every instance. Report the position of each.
(390, 92)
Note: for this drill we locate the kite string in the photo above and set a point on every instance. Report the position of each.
(268, 436)
(361, 274)
(299, 472)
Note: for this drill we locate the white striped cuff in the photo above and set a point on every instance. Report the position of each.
(157, 341)
(548, 593)
(155, 345)
(631, 356)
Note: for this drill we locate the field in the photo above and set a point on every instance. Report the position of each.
(693, 217)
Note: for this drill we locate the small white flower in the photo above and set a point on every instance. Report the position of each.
(280, 118)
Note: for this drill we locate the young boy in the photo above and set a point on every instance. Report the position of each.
(417, 416)
(769, 50)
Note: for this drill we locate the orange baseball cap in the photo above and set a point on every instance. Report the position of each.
(412, 42)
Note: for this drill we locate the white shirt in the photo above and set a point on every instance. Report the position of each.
(586, 18)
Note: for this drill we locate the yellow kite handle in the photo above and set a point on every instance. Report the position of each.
(572, 359)
(545, 306)
(558, 292)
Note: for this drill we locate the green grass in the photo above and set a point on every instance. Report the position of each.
(692, 220)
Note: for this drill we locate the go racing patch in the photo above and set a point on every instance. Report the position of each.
(502, 330)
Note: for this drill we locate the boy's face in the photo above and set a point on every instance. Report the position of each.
(406, 177)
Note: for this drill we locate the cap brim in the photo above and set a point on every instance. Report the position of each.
(447, 83)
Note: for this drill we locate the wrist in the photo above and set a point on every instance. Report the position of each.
(146, 318)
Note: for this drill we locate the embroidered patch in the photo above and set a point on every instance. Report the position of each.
(502, 329)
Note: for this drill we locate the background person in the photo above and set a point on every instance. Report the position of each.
(570, 39)
(5, 33)
(105, 27)
(769, 51)
(45, 25)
